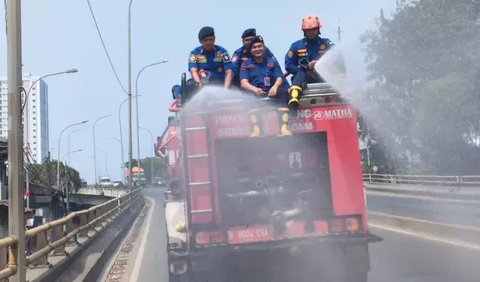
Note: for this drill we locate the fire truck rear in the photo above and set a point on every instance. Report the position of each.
(268, 208)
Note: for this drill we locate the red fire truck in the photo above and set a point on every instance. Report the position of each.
(268, 208)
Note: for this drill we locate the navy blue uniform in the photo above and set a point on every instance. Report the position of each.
(240, 55)
(216, 61)
(306, 50)
(263, 75)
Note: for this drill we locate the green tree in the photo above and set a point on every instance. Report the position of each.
(46, 174)
(159, 167)
(424, 62)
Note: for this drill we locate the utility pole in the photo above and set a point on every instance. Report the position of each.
(339, 32)
(129, 33)
(16, 209)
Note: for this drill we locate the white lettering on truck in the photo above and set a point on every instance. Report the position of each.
(301, 126)
(304, 113)
(229, 119)
(234, 131)
(333, 114)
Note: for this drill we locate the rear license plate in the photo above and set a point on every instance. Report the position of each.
(249, 235)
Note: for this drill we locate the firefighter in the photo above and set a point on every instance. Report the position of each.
(209, 63)
(262, 76)
(240, 55)
(302, 56)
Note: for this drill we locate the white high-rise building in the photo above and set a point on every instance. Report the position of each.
(35, 114)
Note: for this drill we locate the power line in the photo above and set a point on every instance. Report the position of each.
(105, 48)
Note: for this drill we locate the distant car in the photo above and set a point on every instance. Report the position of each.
(159, 182)
(117, 184)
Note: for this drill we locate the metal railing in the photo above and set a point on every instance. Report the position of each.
(62, 232)
(435, 180)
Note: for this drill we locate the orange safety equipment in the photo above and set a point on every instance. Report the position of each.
(311, 21)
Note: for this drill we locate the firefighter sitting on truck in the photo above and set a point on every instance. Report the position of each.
(301, 58)
(209, 63)
(262, 76)
(240, 55)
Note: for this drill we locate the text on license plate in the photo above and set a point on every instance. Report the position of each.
(249, 235)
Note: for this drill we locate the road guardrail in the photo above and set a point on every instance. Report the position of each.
(432, 180)
(62, 231)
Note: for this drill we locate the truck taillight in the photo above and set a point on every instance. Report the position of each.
(347, 224)
(202, 238)
(352, 224)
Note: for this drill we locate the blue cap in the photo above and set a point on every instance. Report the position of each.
(249, 32)
(206, 31)
(256, 39)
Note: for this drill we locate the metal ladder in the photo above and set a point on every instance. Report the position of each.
(206, 155)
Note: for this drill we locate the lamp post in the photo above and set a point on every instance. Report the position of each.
(106, 160)
(136, 105)
(55, 142)
(58, 151)
(123, 163)
(151, 159)
(67, 191)
(68, 144)
(70, 152)
(27, 94)
(129, 34)
(120, 126)
(95, 147)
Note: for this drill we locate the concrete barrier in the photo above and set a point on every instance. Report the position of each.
(450, 232)
(84, 264)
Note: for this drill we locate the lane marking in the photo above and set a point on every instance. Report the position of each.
(399, 217)
(136, 268)
(428, 237)
(394, 195)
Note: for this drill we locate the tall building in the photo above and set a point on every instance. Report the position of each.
(34, 116)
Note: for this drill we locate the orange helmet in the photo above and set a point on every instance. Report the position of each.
(311, 21)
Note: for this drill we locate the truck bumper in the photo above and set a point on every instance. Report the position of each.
(352, 251)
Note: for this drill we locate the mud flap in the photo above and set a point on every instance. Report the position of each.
(357, 258)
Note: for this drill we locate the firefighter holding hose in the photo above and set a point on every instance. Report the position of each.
(302, 56)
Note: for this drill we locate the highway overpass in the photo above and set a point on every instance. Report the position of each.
(418, 222)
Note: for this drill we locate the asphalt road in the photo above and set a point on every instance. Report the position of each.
(461, 212)
(153, 259)
(398, 258)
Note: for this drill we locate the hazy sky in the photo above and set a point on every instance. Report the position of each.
(59, 34)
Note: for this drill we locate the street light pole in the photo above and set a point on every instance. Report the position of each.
(151, 159)
(70, 152)
(106, 160)
(123, 163)
(136, 105)
(68, 144)
(55, 142)
(27, 94)
(67, 191)
(58, 151)
(95, 147)
(130, 99)
(16, 209)
(121, 133)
